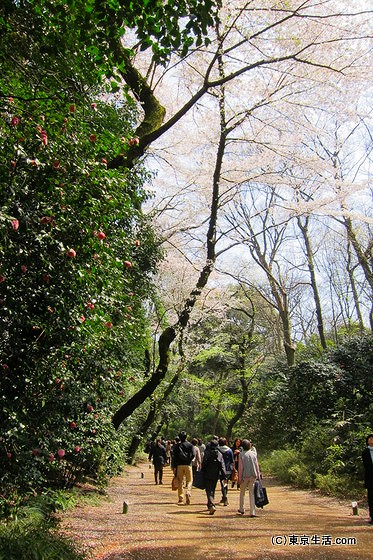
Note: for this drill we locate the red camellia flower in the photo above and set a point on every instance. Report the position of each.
(77, 448)
(92, 137)
(104, 160)
(23, 268)
(137, 243)
(82, 318)
(56, 164)
(15, 224)
(101, 235)
(50, 457)
(61, 453)
(14, 121)
(109, 325)
(93, 105)
(72, 425)
(72, 109)
(89, 407)
(13, 164)
(127, 264)
(2, 278)
(71, 253)
(35, 452)
(9, 455)
(46, 278)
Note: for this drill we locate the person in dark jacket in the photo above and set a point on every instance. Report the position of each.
(181, 464)
(158, 453)
(367, 457)
(213, 468)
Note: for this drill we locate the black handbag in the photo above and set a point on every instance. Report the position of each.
(260, 494)
(198, 480)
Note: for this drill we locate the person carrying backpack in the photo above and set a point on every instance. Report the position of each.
(182, 457)
(228, 457)
(213, 469)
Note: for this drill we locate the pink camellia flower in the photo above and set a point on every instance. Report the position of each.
(92, 137)
(82, 318)
(90, 305)
(50, 457)
(10, 100)
(77, 448)
(71, 253)
(109, 324)
(61, 453)
(2, 278)
(93, 105)
(89, 407)
(14, 121)
(127, 264)
(23, 268)
(44, 137)
(101, 235)
(135, 141)
(15, 224)
(9, 455)
(104, 160)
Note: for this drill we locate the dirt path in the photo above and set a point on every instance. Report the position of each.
(295, 525)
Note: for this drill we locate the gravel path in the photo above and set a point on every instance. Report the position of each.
(294, 525)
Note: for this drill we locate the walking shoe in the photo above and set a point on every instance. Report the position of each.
(187, 498)
(240, 512)
(212, 510)
(160, 482)
(181, 501)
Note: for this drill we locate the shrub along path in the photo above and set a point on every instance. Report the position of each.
(295, 525)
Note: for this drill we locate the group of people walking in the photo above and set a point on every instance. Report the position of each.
(215, 461)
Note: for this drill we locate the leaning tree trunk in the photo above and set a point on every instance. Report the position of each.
(149, 420)
(170, 333)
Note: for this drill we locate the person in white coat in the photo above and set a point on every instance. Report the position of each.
(248, 472)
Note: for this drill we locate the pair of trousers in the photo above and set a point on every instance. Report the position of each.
(210, 486)
(247, 484)
(158, 473)
(181, 472)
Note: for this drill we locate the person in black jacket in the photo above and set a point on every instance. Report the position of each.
(181, 464)
(158, 453)
(367, 457)
(213, 469)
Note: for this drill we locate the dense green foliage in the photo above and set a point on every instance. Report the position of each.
(76, 255)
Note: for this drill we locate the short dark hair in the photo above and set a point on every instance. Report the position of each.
(368, 436)
(183, 436)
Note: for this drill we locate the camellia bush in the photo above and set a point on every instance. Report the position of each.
(76, 255)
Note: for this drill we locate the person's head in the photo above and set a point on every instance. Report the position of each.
(222, 441)
(369, 440)
(214, 443)
(199, 441)
(158, 441)
(194, 441)
(183, 436)
(237, 443)
(245, 444)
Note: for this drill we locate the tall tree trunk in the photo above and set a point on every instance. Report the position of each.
(170, 333)
(311, 267)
